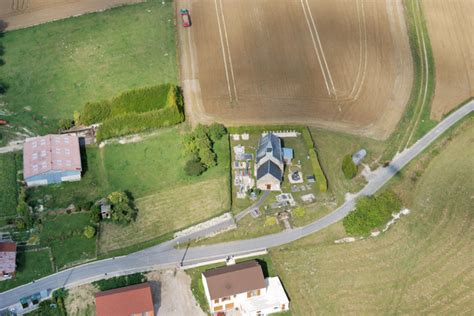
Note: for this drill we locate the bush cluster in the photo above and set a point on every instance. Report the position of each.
(349, 168)
(199, 146)
(123, 210)
(135, 111)
(371, 212)
(121, 281)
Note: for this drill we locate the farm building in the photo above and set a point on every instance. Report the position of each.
(7, 260)
(241, 289)
(51, 159)
(125, 301)
(269, 164)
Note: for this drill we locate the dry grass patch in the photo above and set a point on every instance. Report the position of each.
(167, 211)
(423, 265)
(81, 300)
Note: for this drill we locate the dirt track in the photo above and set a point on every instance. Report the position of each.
(24, 13)
(450, 26)
(340, 64)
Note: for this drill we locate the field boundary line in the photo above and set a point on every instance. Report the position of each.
(363, 47)
(315, 48)
(424, 64)
(228, 51)
(321, 49)
(223, 51)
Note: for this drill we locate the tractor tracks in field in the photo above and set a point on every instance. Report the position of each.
(226, 55)
(318, 48)
(321, 56)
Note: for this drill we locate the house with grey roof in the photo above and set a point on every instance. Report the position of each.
(269, 164)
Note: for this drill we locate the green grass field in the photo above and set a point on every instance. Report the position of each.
(422, 265)
(8, 185)
(31, 265)
(167, 211)
(143, 168)
(332, 147)
(64, 234)
(55, 68)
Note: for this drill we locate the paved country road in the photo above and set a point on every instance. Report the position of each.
(165, 256)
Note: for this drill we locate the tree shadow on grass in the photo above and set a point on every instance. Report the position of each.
(3, 25)
(83, 153)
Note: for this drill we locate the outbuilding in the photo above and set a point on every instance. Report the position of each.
(51, 159)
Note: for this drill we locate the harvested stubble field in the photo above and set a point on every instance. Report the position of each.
(422, 265)
(340, 64)
(450, 26)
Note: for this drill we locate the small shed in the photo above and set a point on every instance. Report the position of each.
(359, 156)
(105, 211)
(287, 155)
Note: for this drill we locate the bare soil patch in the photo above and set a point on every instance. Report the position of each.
(81, 300)
(340, 64)
(450, 26)
(172, 293)
(24, 13)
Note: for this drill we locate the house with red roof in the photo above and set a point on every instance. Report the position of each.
(7, 260)
(134, 300)
(51, 159)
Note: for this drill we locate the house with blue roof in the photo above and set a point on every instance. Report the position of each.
(269, 164)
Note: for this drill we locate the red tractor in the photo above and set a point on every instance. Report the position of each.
(3, 122)
(186, 20)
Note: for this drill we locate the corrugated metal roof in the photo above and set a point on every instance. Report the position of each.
(51, 152)
(7, 257)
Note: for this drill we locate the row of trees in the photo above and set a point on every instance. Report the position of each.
(199, 145)
(131, 112)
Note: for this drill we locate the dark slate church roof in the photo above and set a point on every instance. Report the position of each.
(269, 144)
(271, 168)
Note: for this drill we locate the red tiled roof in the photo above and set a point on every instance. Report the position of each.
(51, 152)
(125, 301)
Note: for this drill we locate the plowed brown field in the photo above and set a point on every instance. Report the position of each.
(340, 64)
(450, 26)
(23, 13)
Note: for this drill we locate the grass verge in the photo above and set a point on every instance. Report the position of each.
(421, 265)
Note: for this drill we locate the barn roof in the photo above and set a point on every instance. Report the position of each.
(51, 152)
(234, 279)
(7, 257)
(269, 144)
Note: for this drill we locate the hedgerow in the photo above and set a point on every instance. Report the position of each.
(371, 212)
(318, 172)
(138, 122)
(136, 111)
